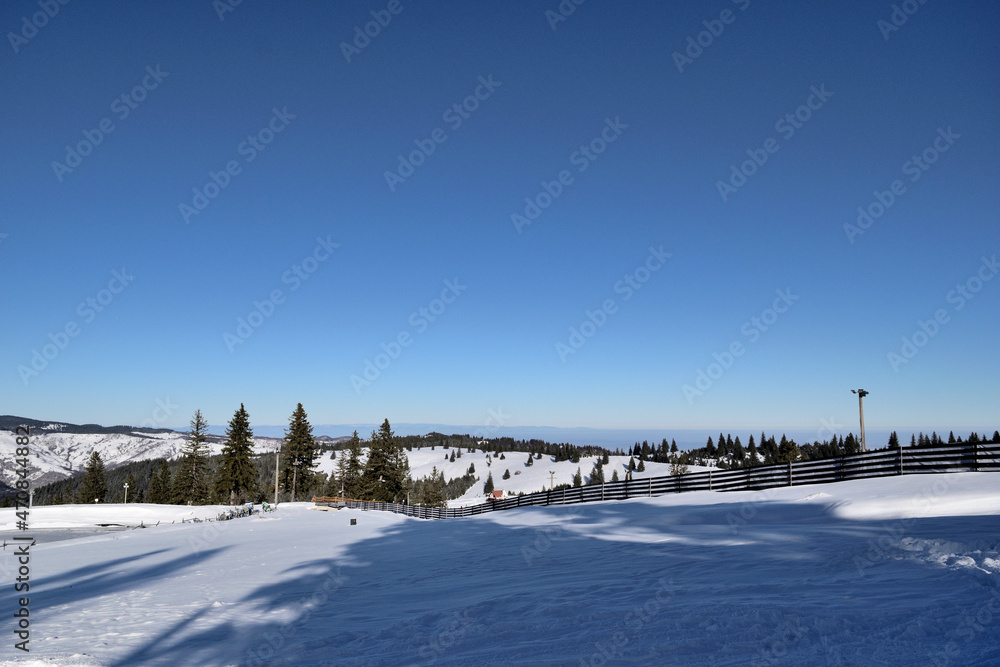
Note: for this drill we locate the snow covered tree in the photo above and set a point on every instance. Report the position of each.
(94, 485)
(298, 453)
(236, 476)
(190, 484)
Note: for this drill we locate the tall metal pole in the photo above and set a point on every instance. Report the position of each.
(861, 411)
(277, 457)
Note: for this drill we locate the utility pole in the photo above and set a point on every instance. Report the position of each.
(552, 479)
(861, 410)
(277, 457)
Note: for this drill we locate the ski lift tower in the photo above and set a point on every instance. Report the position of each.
(861, 410)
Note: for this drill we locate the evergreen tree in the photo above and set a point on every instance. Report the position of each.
(387, 471)
(787, 451)
(642, 466)
(191, 481)
(472, 469)
(506, 473)
(488, 486)
(452, 457)
(350, 473)
(893, 441)
(913, 440)
(996, 436)
(94, 486)
(159, 485)
(951, 437)
(433, 490)
(752, 459)
(614, 476)
(577, 478)
(597, 474)
(298, 454)
(236, 475)
(631, 464)
(531, 460)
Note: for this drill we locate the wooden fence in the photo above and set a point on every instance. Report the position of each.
(964, 457)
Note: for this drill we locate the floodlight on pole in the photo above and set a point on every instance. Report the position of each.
(861, 411)
(126, 493)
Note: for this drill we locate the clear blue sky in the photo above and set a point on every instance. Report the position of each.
(309, 128)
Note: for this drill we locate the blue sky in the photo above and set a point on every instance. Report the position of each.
(620, 142)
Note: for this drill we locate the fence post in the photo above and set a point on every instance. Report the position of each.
(901, 460)
(602, 491)
(975, 457)
(789, 473)
(651, 487)
(709, 479)
(564, 497)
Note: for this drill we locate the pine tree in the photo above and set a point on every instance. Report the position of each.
(614, 476)
(488, 486)
(452, 457)
(191, 481)
(642, 466)
(597, 474)
(159, 485)
(631, 464)
(236, 476)
(893, 441)
(577, 478)
(298, 453)
(94, 486)
(951, 437)
(433, 487)
(506, 473)
(349, 469)
(387, 470)
(531, 460)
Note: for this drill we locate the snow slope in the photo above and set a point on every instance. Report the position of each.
(892, 571)
(56, 455)
(523, 478)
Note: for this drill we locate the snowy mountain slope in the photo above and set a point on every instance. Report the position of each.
(523, 479)
(58, 454)
(890, 571)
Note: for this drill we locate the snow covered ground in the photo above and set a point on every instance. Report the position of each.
(523, 478)
(902, 570)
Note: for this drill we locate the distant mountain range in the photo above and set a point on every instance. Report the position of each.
(60, 449)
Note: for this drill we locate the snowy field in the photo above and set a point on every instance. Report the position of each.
(523, 478)
(893, 571)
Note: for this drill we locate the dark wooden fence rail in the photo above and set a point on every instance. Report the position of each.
(965, 457)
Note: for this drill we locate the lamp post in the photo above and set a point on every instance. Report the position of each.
(861, 410)
(126, 493)
(552, 479)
